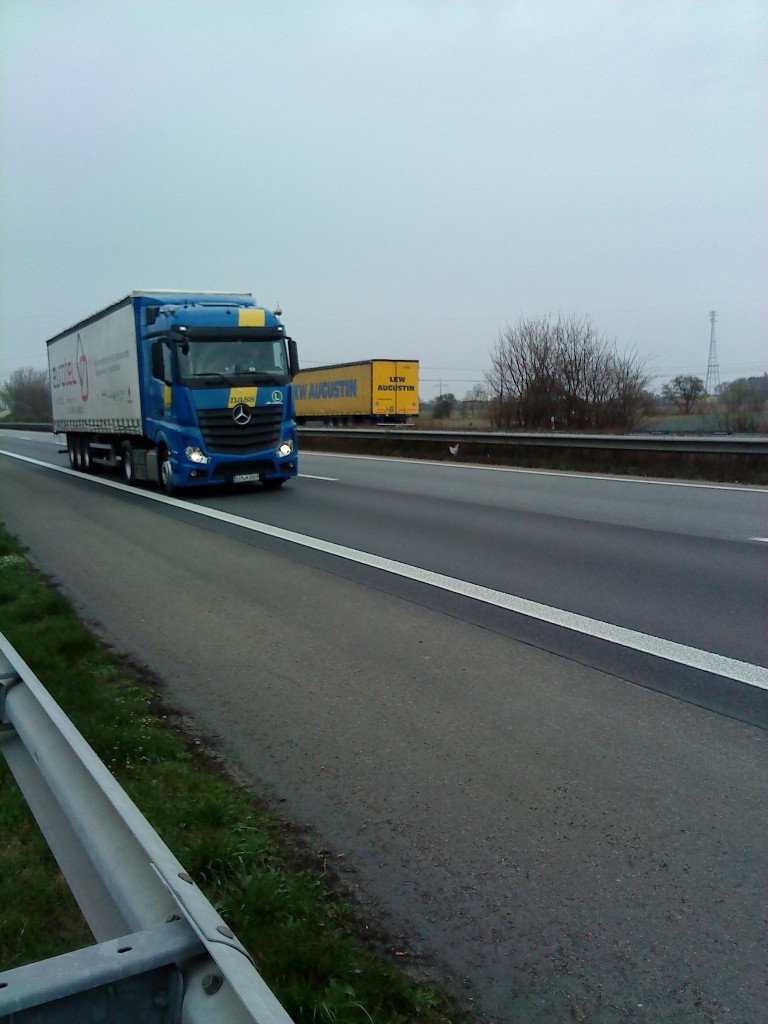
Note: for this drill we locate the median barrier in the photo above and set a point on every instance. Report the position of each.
(726, 458)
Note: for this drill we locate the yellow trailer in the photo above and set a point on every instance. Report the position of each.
(375, 391)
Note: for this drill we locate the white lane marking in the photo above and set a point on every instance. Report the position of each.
(612, 477)
(329, 479)
(707, 661)
(760, 540)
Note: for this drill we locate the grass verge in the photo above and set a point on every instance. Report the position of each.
(307, 943)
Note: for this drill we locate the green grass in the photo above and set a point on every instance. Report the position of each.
(308, 944)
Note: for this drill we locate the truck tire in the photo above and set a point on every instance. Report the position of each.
(273, 485)
(129, 470)
(73, 451)
(86, 463)
(165, 474)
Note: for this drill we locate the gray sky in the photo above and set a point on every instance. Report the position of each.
(404, 178)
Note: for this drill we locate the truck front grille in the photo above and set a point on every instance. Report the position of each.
(223, 435)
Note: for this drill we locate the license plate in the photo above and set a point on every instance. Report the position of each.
(246, 478)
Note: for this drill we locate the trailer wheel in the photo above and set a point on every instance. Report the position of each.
(86, 464)
(73, 451)
(165, 476)
(129, 470)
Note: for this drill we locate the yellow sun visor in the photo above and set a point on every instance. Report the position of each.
(250, 318)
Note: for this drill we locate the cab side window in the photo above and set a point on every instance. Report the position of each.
(161, 361)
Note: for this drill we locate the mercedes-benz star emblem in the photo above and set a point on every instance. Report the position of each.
(241, 414)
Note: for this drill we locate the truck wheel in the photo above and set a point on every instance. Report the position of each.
(273, 485)
(73, 451)
(165, 476)
(86, 465)
(129, 470)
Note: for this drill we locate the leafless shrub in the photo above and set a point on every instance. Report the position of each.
(563, 373)
(27, 395)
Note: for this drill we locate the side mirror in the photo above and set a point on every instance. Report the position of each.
(293, 357)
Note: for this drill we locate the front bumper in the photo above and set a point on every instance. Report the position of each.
(225, 471)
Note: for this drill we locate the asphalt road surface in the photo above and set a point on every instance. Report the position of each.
(559, 816)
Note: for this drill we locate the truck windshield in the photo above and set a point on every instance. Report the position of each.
(207, 362)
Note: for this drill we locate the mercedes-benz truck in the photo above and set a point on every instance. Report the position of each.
(186, 389)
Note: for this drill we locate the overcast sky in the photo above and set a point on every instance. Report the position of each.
(404, 178)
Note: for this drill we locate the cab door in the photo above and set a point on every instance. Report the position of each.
(161, 385)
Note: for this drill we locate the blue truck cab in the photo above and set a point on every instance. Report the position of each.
(185, 389)
(219, 396)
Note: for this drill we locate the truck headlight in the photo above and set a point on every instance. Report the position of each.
(286, 448)
(195, 455)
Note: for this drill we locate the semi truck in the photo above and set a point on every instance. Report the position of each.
(374, 391)
(184, 389)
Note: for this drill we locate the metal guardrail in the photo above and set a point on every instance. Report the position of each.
(12, 425)
(726, 458)
(163, 953)
(724, 444)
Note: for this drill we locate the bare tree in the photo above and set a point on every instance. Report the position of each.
(684, 391)
(545, 372)
(743, 403)
(474, 397)
(444, 406)
(27, 395)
